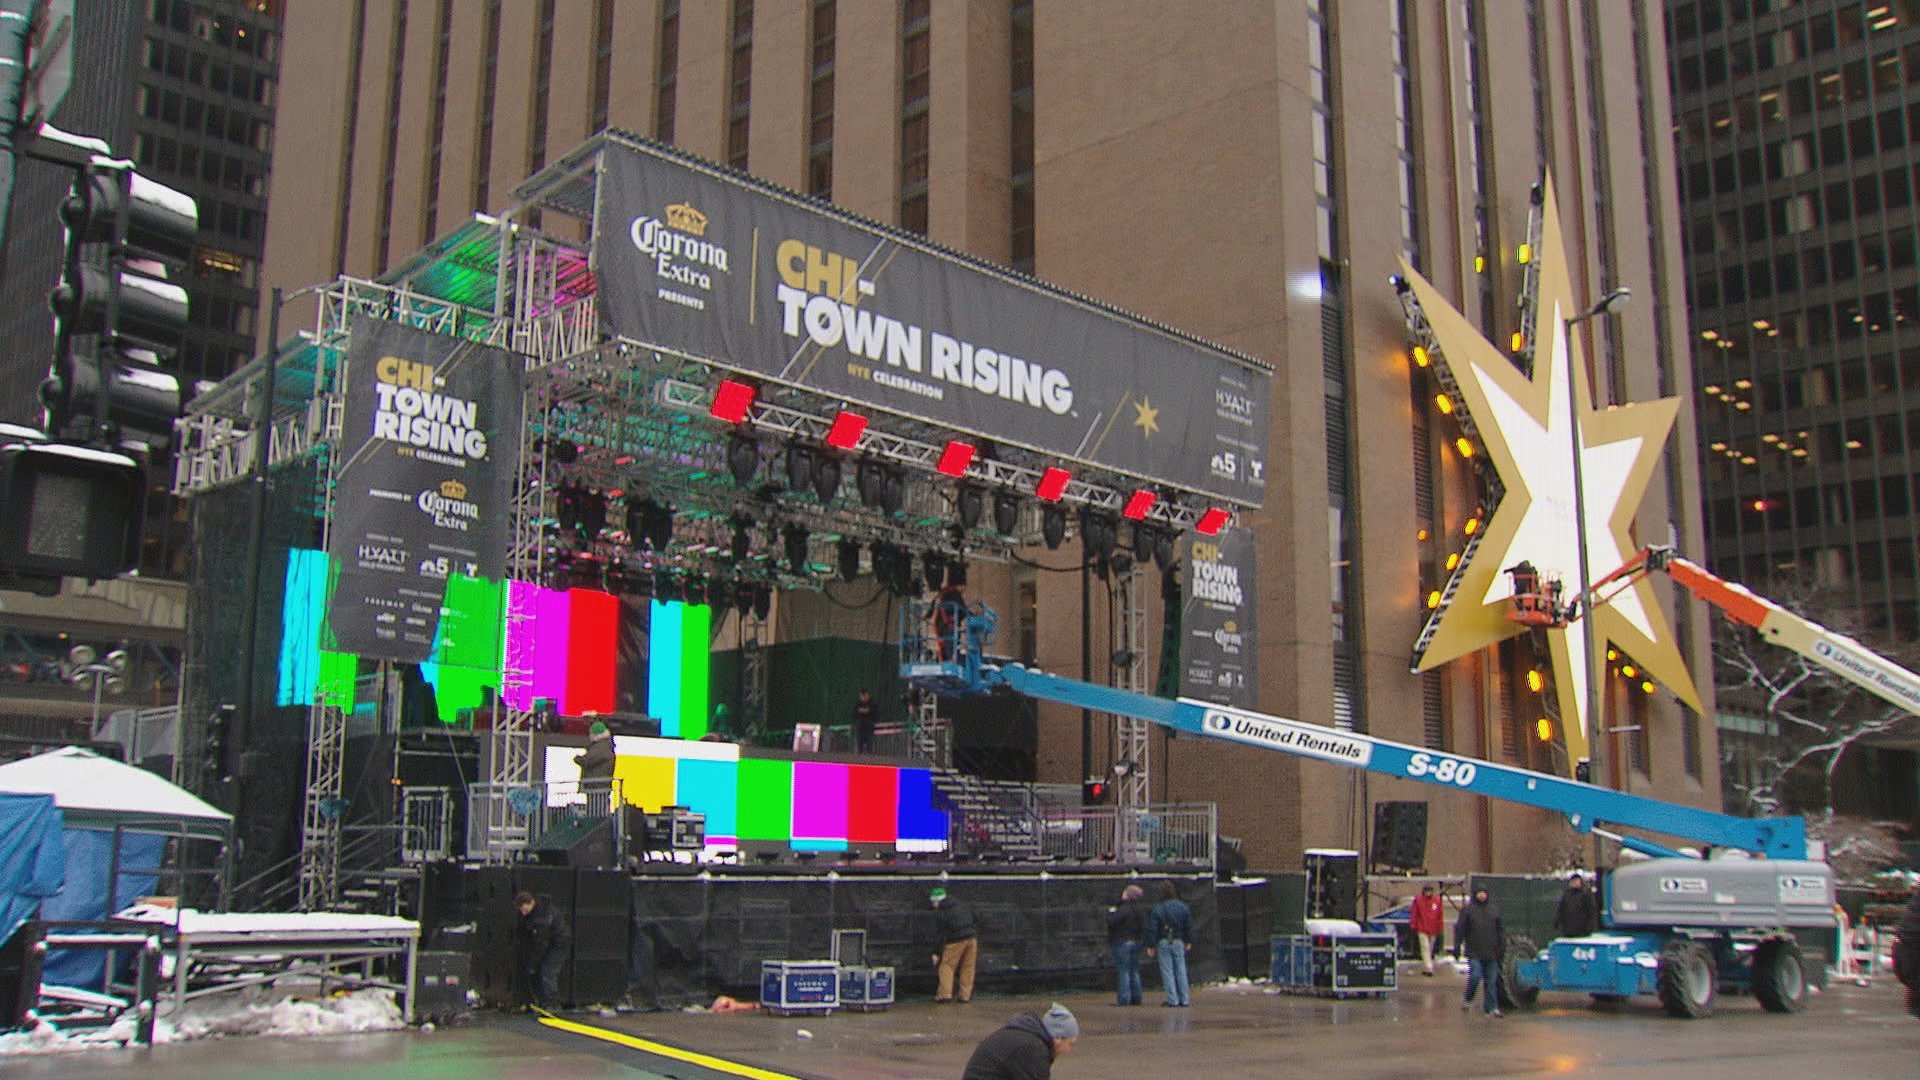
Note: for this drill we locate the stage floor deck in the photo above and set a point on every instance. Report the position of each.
(1232, 1031)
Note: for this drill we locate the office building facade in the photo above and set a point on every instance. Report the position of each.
(1250, 172)
(1796, 127)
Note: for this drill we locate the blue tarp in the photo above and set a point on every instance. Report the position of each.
(33, 856)
(89, 863)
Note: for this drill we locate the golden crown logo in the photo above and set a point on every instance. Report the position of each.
(453, 489)
(684, 217)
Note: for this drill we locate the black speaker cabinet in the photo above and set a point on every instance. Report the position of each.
(1333, 884)
(1400, 835)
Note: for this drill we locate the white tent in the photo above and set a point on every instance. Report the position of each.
(96, 792)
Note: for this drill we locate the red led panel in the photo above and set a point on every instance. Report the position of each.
(1137, 507)
(873, 804)
(846, 430)
(1053, 484)
(732, 400)
(593, 628)
(955, 459)
(1212, 522)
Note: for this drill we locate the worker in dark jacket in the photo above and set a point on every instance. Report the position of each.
(1025, 1048)
(1579, 912)
(1126, 934)
(1169, 940)
(959, 947)
(1479, 933)
(597, 763)
(1906, 952)
(543, 938)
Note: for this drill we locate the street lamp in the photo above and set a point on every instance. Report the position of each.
(1608, 305)
(87, 669)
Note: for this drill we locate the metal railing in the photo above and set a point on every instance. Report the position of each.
(1150, 836)
(427, 814)
(365, 851)
(504, 820)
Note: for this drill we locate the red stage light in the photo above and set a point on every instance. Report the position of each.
(732, 400)
(955, 459)
(1137, 506)
(846, 430)
(1053, 484)
(1212, 522)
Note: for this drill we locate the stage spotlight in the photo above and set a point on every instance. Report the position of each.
(762, 602)
(1097, 533)
(742, 539)
(743, 459)
(893, 492)
(826, 478)
(1142, 542)
(849, 552)
(593, 514)
(1163, 549)
(871, 480)
(973, 503)
(656, 523)
(1006, 513)
(564, 451)
(665, 588)
(743, 598)
(566, 507)
(934, 568)
(957, 573)
(1053, 526)
(796, 538)
(904, 582)
(1121, 561)
(799, 467)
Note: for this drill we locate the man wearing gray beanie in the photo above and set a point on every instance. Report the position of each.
(1025, 1048)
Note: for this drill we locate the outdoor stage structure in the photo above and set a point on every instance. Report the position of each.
(665, 378)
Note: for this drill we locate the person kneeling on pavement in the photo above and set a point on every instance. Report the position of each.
(1026, 1047)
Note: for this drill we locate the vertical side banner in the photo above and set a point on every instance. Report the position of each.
(1217, 623)
(427, 455)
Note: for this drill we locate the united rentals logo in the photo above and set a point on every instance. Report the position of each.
(448, 506)
(683, 259)
(1307, 740)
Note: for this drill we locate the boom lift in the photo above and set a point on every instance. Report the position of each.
(1678, 926)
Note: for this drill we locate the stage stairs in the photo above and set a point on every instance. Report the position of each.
(998, 819)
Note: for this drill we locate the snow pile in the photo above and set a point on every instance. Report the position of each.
(343, 1014)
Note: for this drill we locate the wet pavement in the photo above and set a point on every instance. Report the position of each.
(1231, 1031)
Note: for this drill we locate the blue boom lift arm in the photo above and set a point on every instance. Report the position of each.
(962, 666)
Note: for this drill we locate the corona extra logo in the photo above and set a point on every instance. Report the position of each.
(684, 217)
(453, 489)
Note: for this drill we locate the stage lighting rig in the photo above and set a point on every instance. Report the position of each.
(849, 558)
(799, 467)
(972, 504)
(957, 572)
(934, 569)
(871, 479)
(893, 492)
(762, 602)
(1006, 513)
(797, 538)
(1053, 527)
(743, 459)
(742, 543)
(1142, 542)
(826, 477)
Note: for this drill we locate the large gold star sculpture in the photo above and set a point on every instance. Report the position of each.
(1527, 426)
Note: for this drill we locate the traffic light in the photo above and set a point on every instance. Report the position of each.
(116, 314)
(1093, 792)
(73, 511)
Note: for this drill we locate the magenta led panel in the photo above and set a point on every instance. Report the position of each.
(819, 801)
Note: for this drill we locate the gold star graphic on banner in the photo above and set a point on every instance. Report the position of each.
(1528, 429)
(1146, 418)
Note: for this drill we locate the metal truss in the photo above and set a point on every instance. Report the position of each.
(1133, 744)
(321, 811)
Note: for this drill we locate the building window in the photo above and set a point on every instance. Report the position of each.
(389, 154)
(1021, 250)
(602, 62)
(740, 83)
(669, 69)
(916, 83)
(820, 101)
(443, 41)
(489, 83)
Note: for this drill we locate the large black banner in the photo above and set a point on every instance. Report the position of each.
(1217, 623)
(718, 267)
(429, 445)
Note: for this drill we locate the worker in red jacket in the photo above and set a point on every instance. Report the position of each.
(1427, 922)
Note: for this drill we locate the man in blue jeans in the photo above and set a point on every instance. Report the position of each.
(1479, 934)
(1170, 934)
(1126, 933)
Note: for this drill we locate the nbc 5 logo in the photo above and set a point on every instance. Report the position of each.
(1226, 463)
